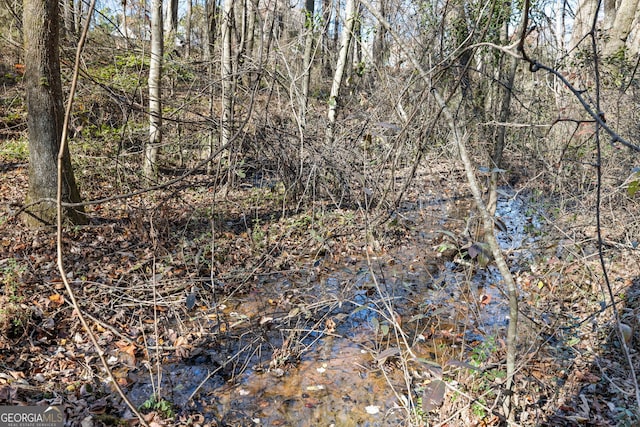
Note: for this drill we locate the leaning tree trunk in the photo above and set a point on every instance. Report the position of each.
(45, 117)
(347, 35)
(150, 167)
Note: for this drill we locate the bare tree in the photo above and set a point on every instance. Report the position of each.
(67, 13)
(324, 38)
(347, 36)
(227, 73)
(380, 49)
(583, 20)
(187, 29)
(212, 28)
(45, 118)
(307, 58)
(77, 15)
(171, 22)
(155, 94)
(252, 9)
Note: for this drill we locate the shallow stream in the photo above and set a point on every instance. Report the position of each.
(280, 357)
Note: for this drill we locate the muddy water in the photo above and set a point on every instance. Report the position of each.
(322, 349)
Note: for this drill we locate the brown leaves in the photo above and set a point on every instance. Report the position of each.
(126, 352)
(433, 395)
(57, 299)
(182, 347)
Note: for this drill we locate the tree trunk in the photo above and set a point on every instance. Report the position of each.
(77, 16)
(609, 7)
(347, 34)
(336, 23)
(251, 37)
(187, 30)
(307, 59)
(212, 28)
(69, 23)
(379, 43)
(241, 12)
(227, 73)
(356, 46)
(583, 21)
(150, 167)
(324, 39)
(171, 24)
(622, 26)
(503, 116)
(45, 117)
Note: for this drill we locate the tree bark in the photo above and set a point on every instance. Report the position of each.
(324, 39)
(171, 24)
(187, 29)
(212, 28)
(307, 59)
(227, 73)
(347, 35)
(583, 21)
(69, 23)
(77, 16)
(251, 37)
(45, 117)
(336, 22)
(379, 43)
(622, 26)
(150, 166)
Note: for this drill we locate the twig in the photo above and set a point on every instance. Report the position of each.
(59, 212)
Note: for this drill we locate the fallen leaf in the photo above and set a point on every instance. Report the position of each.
(433, 395)
(57, 299)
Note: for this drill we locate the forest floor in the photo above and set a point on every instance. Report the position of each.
(235, 310)
(239, 306)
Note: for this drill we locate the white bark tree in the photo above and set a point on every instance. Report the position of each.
(583, 21)
(622, 25)
(150, 167)
(347, 36)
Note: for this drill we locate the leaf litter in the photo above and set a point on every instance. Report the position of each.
(279, 320)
